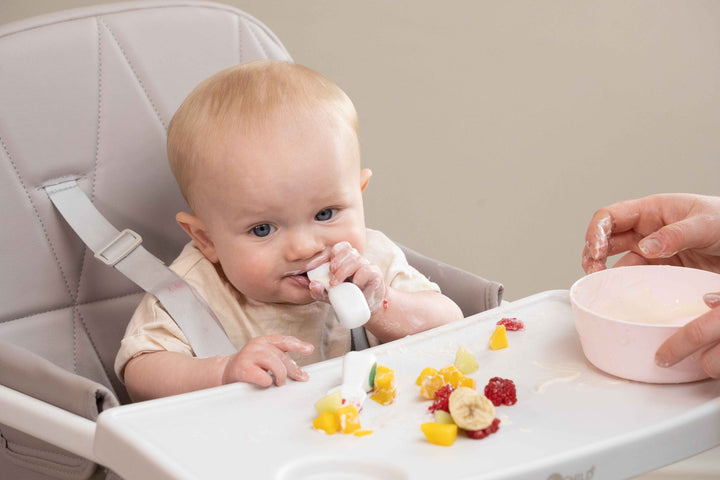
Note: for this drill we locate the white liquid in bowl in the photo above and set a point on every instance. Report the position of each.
(644, 307)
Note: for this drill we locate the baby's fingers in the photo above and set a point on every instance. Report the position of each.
(345, 261)
(370, 280)
(287, 343)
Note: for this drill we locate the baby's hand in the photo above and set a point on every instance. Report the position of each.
(346, 264)
(263, 359)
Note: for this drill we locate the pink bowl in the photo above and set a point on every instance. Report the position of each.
(624, 314)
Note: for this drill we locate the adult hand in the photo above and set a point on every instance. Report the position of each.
(671, 229)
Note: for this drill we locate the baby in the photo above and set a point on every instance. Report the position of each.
(267, 156)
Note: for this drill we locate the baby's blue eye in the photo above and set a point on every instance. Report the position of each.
(325, 214)
(262, 230)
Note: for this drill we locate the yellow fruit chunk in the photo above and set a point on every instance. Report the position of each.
(329, 403)
(427, 372)
(455, 377)
(467, 382)
(452, 375)
(440, 433)
(384, 386)
(466, 361)
(326, 421)
(430, 385)
(498, 339)
(362, 433)
(347, 418)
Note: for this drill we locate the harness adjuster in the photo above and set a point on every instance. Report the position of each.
(119, 247)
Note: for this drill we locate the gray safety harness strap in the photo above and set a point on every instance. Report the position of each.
(123, 250)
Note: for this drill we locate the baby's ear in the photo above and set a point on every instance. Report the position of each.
(197, 231)
(365, 175)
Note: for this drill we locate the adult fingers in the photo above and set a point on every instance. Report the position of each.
(710, 361)
(613, 220)
(597, 236)
(691, 232)
(712, 299)
(701, 333)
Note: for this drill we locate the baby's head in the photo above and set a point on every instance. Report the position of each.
(267, 156)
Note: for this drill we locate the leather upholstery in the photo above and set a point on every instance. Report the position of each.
(89, 93)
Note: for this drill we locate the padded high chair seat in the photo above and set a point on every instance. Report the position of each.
(88, 94)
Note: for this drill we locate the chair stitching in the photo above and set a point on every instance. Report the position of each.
(137, 77)
(72, 305)
(38, 218)
(257, 40)
(93, 182)
(93, 345)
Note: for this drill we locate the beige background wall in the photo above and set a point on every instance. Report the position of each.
(495, 129)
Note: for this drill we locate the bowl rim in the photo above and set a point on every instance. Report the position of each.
(575, 303)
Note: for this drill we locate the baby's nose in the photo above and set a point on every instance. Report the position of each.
(303, 245)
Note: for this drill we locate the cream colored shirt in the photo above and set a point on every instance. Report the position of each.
(152, 329)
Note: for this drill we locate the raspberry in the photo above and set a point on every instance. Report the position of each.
(442, 397)
(484, 432)
(501, 391)
(512, 324)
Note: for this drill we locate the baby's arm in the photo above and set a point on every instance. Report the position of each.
(395, 313)
(262, 361)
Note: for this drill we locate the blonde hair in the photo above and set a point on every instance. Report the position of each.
(247, 96)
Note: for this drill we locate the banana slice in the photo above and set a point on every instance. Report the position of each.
(470, 410)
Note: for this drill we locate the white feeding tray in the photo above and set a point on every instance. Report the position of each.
(570, 421)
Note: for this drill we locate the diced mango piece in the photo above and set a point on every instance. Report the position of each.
(329, 403)
(326, 421)
(384, 386)
(427, 372)
(347, 418)
(362, 433)
(440, 433)
(498, 339)
(451, 374)
(430, 385)
(467, 382)
(384, 397)
(466, 361)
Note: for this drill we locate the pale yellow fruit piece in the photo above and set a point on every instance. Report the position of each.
(329, 403)
(441, 416)
(466, 361)
(470, 410)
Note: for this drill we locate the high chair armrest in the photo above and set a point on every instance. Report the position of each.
(471, 292)
(47, 402)
(49, 423)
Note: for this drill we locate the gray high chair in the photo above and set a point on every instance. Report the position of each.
(85, 99)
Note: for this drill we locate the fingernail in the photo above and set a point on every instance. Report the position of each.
(650, 246)
(712, 300)
(661, 362)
